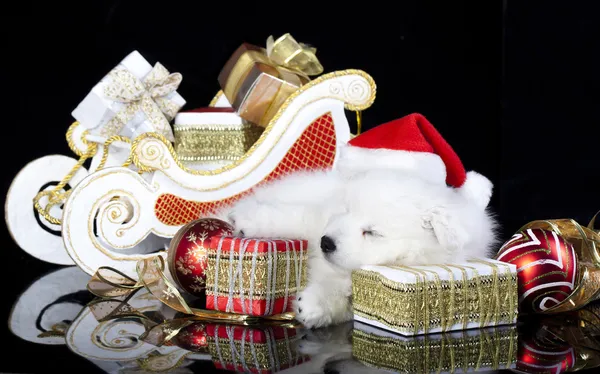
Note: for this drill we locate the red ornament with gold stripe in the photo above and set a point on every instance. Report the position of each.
(188, 252)
(547, 268)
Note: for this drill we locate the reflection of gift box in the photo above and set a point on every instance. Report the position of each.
(253, 349)
(255, 85)
(132, 99)
(437, 298)
(213, 136)
(258, 277)
(492, 348)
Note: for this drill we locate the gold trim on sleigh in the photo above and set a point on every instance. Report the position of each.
(336, 92)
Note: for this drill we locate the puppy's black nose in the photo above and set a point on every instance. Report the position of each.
(327, 244)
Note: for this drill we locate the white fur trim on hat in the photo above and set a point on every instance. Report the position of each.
(428, 166)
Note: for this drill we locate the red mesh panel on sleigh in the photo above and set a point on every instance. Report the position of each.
(315, 148)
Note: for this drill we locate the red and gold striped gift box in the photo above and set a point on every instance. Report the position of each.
(257, 277)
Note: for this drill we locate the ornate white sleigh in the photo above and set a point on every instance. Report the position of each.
(119, 215)
(38, 234)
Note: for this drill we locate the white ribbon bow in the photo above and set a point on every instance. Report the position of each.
(147, 95)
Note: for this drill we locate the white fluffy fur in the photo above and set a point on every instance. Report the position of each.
(374, 217)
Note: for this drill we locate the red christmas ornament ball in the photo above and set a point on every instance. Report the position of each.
(192, 338)
(187, 253)
(547, 268)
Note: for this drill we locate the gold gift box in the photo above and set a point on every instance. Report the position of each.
(492, 348)
(415, 300)
(255, 85)
(213, 135)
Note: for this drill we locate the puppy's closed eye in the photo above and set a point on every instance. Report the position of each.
(370, 232)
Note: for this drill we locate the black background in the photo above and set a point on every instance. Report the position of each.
(512, 85)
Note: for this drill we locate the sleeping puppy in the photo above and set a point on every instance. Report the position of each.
(371, 217)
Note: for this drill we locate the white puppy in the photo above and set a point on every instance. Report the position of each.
(364, 218)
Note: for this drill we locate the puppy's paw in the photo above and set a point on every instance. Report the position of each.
(315, 310)
(311, 311)
(250, 218)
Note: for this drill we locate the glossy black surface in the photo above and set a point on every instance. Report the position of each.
(510, 84)
(56, 318)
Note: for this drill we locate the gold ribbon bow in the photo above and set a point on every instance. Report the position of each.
(147, 95)
(299, 57)
(109, 283)
(586, 242)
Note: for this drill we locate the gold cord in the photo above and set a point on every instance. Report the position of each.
(107, 143)
(54, 196)
(358, 122)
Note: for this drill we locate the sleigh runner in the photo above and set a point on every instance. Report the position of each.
(119, 215)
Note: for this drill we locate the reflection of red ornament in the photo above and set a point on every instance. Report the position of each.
(188, 251)
(546, 266)
(535, 356)
(192, 338)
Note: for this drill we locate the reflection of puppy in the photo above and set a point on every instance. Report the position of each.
(324, 345)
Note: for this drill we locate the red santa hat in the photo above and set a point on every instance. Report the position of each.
(411, 144)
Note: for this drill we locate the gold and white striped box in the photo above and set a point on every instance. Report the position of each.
(436, 298)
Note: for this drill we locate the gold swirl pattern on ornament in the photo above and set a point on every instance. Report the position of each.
(169, 146)
(489, 349)
(415, 307)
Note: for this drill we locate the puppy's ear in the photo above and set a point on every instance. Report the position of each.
(447, 231)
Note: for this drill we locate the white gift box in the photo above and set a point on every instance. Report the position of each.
(415, 300)
(132, 99)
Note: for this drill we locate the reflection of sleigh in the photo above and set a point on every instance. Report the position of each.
(114, 217)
